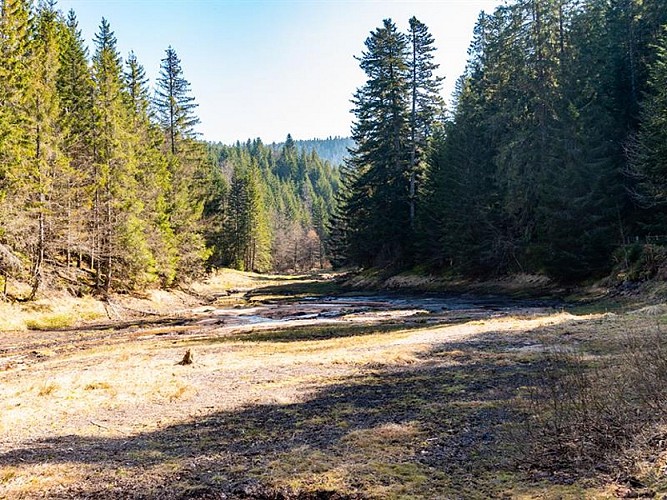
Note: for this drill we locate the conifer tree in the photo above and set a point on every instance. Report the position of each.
(377, 206)
(426, 104)
(188, 164)
(152, 174)
(15, 31)
(649, 150)
(119, 231)
(42, 174)
(174, 105)
(75, 92)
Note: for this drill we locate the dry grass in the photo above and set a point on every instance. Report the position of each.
(125, 389)
(58, 311)
(601, 409)
(385, 409)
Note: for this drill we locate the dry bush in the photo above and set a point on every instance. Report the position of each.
(587, 413)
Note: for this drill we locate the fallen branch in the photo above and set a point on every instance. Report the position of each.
(102, 426)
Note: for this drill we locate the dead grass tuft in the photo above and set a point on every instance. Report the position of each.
(54, 312)
(652, 310)
(50, 321)
(380, 437)
(47, 389)
(96, 386)
(7, 474)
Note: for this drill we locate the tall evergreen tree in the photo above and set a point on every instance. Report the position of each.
(173, 102)
(649, 149)
(118, 228)
(75, 92)
(41, 176)
(376, 209)
(152, 175)
(15, 38)
(426, 103)
(188, 163)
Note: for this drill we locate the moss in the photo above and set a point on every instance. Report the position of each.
(51, 322)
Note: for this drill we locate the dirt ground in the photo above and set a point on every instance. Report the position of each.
(366, 403)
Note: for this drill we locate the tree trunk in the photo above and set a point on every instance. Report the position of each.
(39, 251)
(413, 131)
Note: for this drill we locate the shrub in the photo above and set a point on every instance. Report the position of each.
(587, 411)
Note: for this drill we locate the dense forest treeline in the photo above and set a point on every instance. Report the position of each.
(105, 186)
(275, 207)
(553, 160)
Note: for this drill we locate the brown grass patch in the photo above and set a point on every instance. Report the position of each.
(96, 386)
(48, 389)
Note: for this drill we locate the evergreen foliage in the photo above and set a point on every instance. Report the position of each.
(394, 111)
(276, 213)
(102, 174)
(173, 102)
(551, 159)
(335, 150)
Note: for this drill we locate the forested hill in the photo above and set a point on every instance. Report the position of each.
(333, 149)
(553, 160)
(273, 207)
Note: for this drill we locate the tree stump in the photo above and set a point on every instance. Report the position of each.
(187, 358)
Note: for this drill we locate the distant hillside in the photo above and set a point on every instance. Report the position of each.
(273, 207)
(333, 149)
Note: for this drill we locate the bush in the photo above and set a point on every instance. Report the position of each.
(641, 262)
(587, 412)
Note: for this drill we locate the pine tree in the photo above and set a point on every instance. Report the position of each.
(118, 227)
(174, 105)
(152, 175)
(426, 103)
(15, 33)
(188, 163)
(75, 92)
(376, 208)
(47, 165)
(649, 150)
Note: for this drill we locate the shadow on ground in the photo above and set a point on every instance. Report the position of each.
(433, 429)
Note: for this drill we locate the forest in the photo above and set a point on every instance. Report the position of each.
(551, 161)
(471, 305)
(105, 184)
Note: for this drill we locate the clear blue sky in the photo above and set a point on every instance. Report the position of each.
(269, 68)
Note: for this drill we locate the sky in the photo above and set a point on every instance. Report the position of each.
(266, 68)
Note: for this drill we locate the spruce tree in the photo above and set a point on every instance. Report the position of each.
(376, 208)
(75, 92)
(152, 175)
(15, 39)
(40, 180)
(188, 163)
(426, 103)
(118, 228)
(649, 150)
(173, 102)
